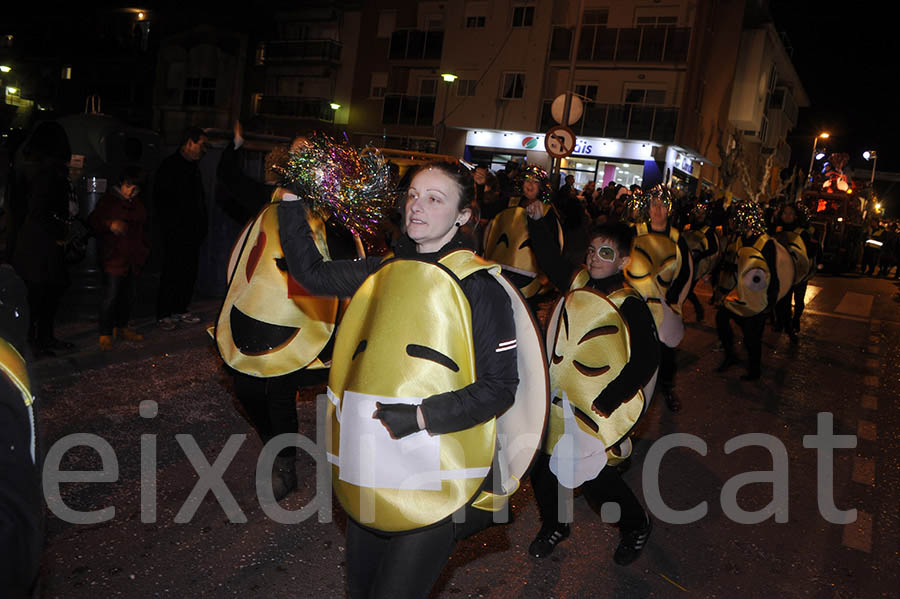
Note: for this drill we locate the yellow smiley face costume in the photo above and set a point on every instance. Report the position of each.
(269, 325)
(749, 297)
(804, 263)
(697, 242)
(407, 335)
(655, 262)
(12, 366)
(507, 243)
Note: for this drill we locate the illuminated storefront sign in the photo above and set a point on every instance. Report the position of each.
(584, 146)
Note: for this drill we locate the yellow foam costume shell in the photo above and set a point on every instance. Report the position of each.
(749, 297)
(269, 325)
(507, 243)
(697, 242)
(588, 342)
(655, 262)
(804, 264)
(407, 335)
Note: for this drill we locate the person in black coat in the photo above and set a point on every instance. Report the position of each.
(39, 255)
(181, 210)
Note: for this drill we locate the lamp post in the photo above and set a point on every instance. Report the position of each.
(448, 78)
(812, 156)
(873, 155)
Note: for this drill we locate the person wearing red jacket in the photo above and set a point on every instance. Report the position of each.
(120, 220)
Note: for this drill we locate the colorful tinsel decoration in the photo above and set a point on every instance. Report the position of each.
(638, 206)
(747, 218)
(539, 175)
(700, 210)
(355, 186)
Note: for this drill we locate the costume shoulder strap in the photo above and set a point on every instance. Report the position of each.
(463, 263)
(580, 279)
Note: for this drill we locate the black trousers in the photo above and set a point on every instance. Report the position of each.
(752, 327)
(667, 366)
(402, 566)
(608, 487)
(118, 297)
(43, 302)
(177, 279)
(271, 403)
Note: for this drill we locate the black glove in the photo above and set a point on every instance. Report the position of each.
(605, 403)
(399, 418)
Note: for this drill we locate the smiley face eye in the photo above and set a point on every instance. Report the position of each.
(755, 279)
(503, 239)
(427, 353)
(281, 264)
(589, 370)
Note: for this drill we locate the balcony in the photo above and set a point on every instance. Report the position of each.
(295, 107)
(302, 51)
(621, 121)
(401, 109)
(415, 44)
(599, 43)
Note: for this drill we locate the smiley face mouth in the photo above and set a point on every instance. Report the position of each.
(255, 338)
(585, 418)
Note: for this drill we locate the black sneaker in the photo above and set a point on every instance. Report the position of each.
(632, 543)
(548, 538)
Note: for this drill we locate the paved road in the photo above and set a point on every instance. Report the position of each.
(847, 364)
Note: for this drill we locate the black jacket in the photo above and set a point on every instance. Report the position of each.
(180, 202)
(644, 340)
(492, 320)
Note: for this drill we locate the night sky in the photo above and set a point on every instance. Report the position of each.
(845, 54)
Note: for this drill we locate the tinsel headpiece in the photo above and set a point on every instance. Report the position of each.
(353, 185)
(700, 209)
(538, 175)
(747, 218)
(639, 203)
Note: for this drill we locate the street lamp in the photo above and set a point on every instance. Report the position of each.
(812, 157)
(873, 155)
(448, 78)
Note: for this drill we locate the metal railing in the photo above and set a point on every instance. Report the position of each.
(621, 121)
(296, 107)
(302, 50)
(599, 43)
(400, 109)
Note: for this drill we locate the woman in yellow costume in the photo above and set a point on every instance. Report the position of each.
(603, 356)
(424, 363)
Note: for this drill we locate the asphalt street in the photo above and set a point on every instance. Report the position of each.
(846, 364)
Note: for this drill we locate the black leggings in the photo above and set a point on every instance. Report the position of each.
(401, 566)
(667, 366)
(177, 279)
(752, 327)
(271, 403)
(607, 487)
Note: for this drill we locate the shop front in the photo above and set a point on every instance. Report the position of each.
(600, 160)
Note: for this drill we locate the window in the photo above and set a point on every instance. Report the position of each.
(523, 16)
(199, 91)
(475, 14)
(586, 90)
(513, 86)
(465, 87)
(645, 96)
(428, 87)
(387, 22)
(434, 22)
(379, 85)
(595, 17)
(67, 72)
(669, 21)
